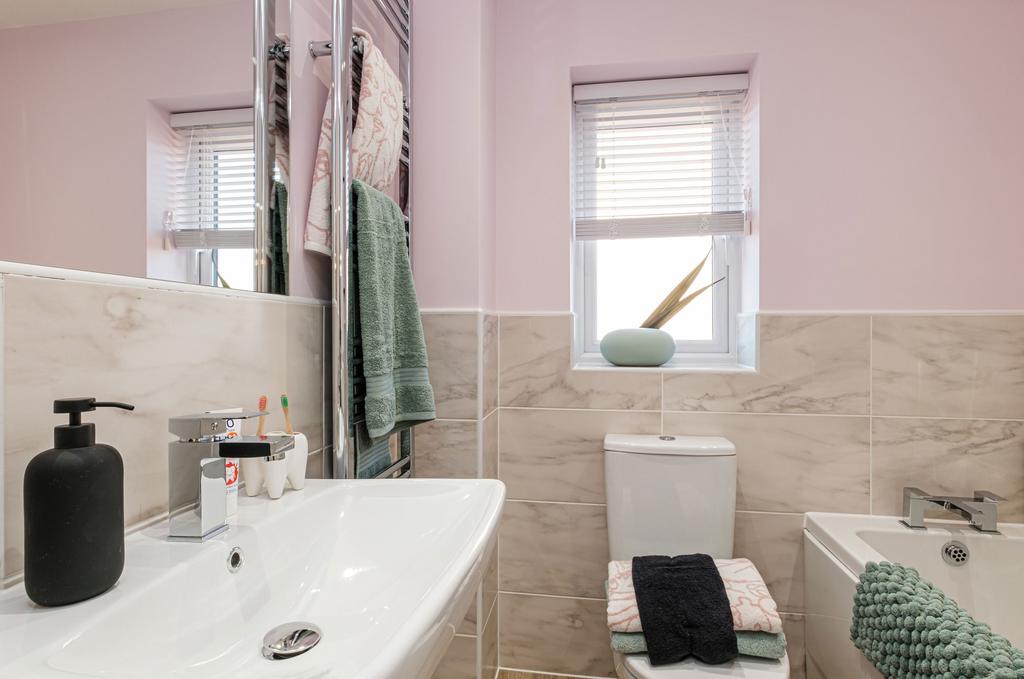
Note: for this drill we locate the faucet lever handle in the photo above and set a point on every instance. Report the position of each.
(202, 425)
(988, 496)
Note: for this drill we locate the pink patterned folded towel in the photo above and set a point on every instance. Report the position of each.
(753, 609)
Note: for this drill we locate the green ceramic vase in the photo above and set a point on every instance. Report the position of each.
(638, 347)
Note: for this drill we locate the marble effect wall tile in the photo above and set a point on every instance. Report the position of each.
(164, 351)
(483, 603)
(489, 445)
(948, 366)
(447, 449)
(555, 634)
(452, 351)
(553, 548)
(489, 379)
(806, 364)
(791, 463)
(536, 370)
(489, 647)
(948, 457)
(558, 455)
(315, 465)
(305, 356)
(459, 661)
(775, 543)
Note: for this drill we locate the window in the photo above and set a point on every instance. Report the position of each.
(212, 196)
(659, 174)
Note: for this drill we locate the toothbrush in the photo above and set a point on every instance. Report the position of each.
(287, 418)
(262, 408)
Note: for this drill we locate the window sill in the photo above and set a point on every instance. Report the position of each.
(682, 363)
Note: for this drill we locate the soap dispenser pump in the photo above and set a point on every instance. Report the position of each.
(74, 511)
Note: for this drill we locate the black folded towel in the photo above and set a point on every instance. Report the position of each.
(684, 609)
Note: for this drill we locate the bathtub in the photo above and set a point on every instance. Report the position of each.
(989, 584)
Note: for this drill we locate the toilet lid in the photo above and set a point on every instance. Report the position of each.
(640, 667)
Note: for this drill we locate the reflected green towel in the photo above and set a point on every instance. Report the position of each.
(398, 392)
(907, 627)
(755, 644)
(277, 248)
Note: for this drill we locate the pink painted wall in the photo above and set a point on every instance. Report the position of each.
(73, 125)
(309, 273)
(453, 153)
(890, 146)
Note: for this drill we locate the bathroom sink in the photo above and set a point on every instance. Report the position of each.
(384, 570)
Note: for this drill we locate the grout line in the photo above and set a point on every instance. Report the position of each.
(773, 513)
(535, 674)
(548, 675)
(479, 398)
(942, 417)
(662, 410)
(3, 418)
(871, 414)
(771, 414)
(497, 473)
(746, 413)
(556, 502)
(584, 410)
(550, 596)
(604, 504)
(894, 312)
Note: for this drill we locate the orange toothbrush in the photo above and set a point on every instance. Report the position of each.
(262, 408)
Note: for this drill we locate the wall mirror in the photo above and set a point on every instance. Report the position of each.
(134, 132)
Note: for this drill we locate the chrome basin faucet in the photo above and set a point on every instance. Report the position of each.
(197, 486)
(980, 510)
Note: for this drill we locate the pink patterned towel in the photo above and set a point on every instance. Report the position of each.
(753, 609)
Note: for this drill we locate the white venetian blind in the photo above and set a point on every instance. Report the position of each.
(213, 180)
(660, 158)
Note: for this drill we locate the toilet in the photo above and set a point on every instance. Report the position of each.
(675, 495)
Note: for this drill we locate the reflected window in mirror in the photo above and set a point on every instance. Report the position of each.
(210, 216)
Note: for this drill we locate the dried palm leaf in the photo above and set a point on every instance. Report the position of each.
(678, 306)
(676, 293)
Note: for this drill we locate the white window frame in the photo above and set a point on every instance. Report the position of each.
(725, 261)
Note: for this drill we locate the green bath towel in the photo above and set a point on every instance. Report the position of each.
(398, 392)
(755, 644)
(910, 629)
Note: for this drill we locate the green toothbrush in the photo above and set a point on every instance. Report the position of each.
(287, 418)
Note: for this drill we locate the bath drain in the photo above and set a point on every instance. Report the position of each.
(290, 640)
(955, 553)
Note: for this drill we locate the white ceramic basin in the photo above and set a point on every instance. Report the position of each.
(385, 569)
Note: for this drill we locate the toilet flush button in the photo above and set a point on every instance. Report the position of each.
(666, 438)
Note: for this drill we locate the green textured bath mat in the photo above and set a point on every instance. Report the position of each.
(909, 629)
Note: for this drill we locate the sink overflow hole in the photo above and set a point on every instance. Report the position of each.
(235, 560)
(290, 640)
(955, 553)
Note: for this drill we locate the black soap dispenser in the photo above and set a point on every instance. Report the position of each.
(74, 511)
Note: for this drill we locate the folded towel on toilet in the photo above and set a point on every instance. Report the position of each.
(753, 644)
(752, 607)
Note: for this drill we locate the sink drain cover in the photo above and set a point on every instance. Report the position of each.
(290, 640)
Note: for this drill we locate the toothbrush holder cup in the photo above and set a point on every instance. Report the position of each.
(296, 459)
